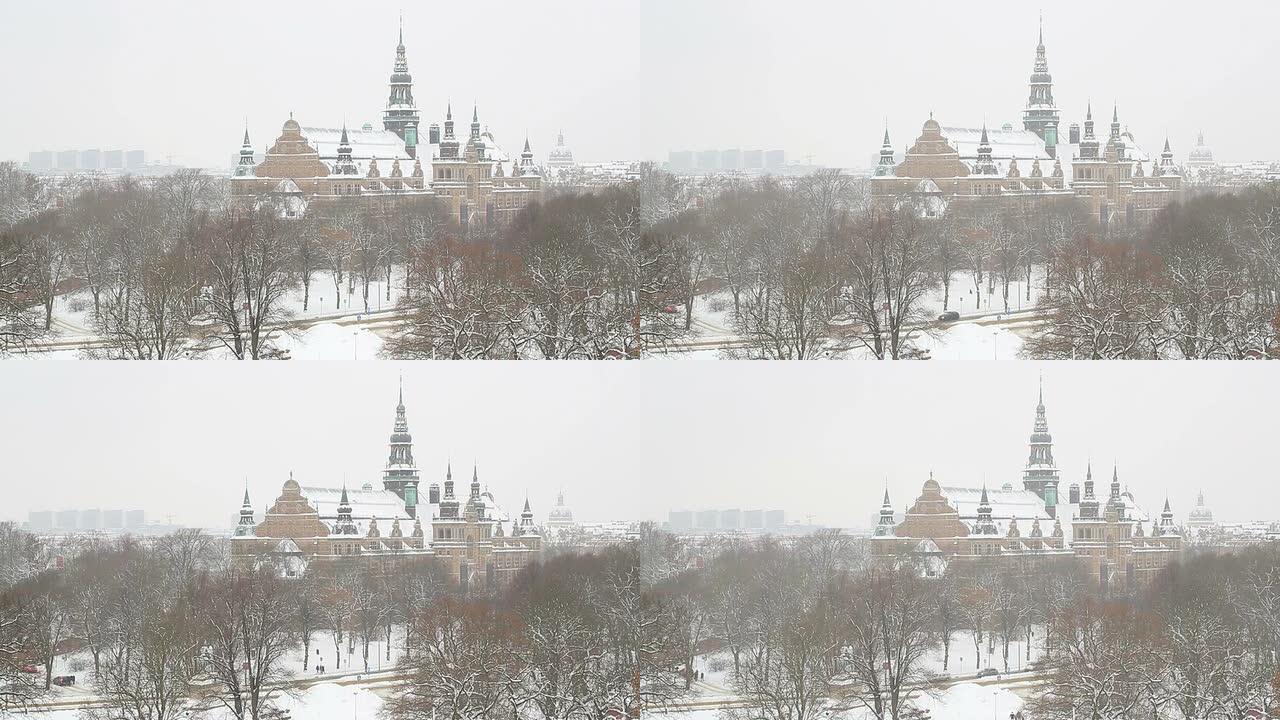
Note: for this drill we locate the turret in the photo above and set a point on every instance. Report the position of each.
(345, 164)
(1114, 503)
(449, 503)
(1089, 144)
(885, 526)
(1089, 503)
(345, 524)
(401, 473)
(985, 525)
(885, 167)
(1167, 166)
(373, 528)
(474, 501)
(245, 167)
(526, 519)
(246, 524)
(1166, 519)
(986, 165)
(526, 158)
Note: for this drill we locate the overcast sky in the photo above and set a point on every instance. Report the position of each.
(630, 440)
(630, 79)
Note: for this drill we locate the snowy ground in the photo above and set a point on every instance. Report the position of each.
(964, 700)
(80, 664)
(978, 335)
(974, 337)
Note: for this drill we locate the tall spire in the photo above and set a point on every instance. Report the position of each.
(1041, 474)
(401, 474)
(1041, 115)
(401, 115)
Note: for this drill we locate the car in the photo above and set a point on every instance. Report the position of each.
(29, 669)
(64, 680)
(949, 316)
(988, 672)
(670, 309)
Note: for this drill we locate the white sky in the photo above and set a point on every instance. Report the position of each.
(630, 440)
(630, 78)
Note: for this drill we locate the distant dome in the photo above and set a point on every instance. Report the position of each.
(291, 126)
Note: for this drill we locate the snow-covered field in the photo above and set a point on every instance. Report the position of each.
(973, 337)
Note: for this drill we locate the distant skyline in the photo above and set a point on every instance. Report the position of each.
(631, 441)
(630, 79)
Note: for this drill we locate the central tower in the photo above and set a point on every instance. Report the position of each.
(1041, 116)
(1041, 474)
(401, 475)
(401, 116)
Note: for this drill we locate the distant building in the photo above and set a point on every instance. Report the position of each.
(708, 160)
(680, 520)
(91, 520)
(40, 520)
(113, 160)
(731, 519)
(731, 159)
(113, 519)
(135, 518)
(1201, 517)
(134, 159)
(680, 160)
(91, 160)
(1200, 159)
(66, 520)
(561, 157)
(753, 159)
(753, 519)
(561, 516)
(707, 520)
(774, 519)
(774, 159)
(41, 161)
(67, 161)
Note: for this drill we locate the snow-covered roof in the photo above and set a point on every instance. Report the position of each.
(382, 504)
(1023, 144)
(365, 144)
(1005, 504)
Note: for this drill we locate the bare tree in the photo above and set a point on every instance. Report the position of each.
(462, 305)
(248, 263)
(465, 662)
(249, 621)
